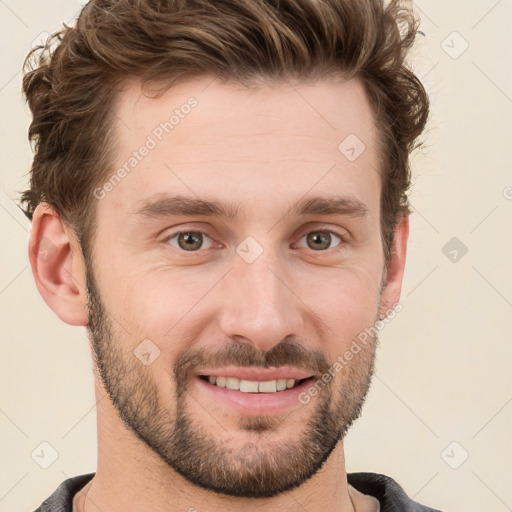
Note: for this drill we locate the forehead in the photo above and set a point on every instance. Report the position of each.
(207, 138)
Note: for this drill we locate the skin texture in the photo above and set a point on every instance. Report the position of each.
(163, 442)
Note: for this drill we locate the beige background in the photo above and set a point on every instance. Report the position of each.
(443, 370)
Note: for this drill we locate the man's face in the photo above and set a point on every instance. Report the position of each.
(275, 290)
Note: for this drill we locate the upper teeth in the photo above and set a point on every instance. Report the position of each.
(252, 386)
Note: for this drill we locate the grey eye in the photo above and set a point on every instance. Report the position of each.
(321, 240)
(188, 240)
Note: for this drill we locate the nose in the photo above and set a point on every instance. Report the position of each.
(258, 304)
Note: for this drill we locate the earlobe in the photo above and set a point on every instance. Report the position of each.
(57, 266)
(395, 270)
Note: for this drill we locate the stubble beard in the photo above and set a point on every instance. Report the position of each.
(259, 466)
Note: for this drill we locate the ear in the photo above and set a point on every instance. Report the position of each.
(395, 270)
(57, 265)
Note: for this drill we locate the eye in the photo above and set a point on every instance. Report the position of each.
(188, 240)
(321, 240)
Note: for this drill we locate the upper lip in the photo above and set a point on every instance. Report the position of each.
(260, 374)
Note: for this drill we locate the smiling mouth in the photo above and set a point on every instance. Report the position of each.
(253, 386)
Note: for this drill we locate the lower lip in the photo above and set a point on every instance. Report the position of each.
(255, 404)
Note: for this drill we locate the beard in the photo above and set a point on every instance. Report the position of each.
(261, 467)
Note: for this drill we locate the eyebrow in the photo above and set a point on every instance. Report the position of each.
(330, 205)
(165, 205)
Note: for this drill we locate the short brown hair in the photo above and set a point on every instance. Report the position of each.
(73, 84)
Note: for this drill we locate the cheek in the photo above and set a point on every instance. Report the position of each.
(347, 303)
(158, 303)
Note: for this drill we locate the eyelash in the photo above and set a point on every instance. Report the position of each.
(342, 238)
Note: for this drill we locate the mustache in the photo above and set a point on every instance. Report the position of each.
(234, 353)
